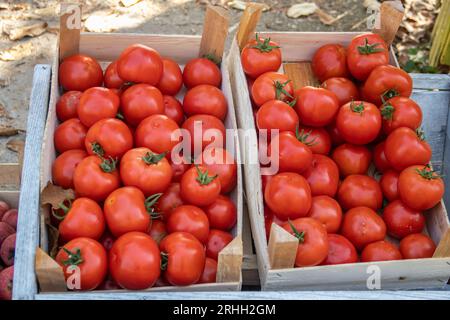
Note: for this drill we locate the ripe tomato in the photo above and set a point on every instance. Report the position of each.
(209, 271)
(89, 256)
(260, 56)
(199, 187)
(401, 220)
(330, 61)
(70, 135)
(201, 71)
(386, 82)
(158, 230)
(112, 78)
(389, 185)
(271, 86)
(205, 99)
(340, 251)
(316, 107)
(222, 213)
(380, 251)
(417, 246)
(335, 135)
(209, 128)
(317, 139)
(96, 104)
(155, 132)
(169, 200)
(173, 109)
(276, 114)
(420, 188)
(140, 101)
(404, 147)
(66, 107)
(95, 178)
(352, 159)
(171, 79)
(379, 158)
(217, 240)
(139, 63)
(327, 211)
(178, 169)
(400, 112)
(359, 190)
(312, 241)
(359, 122)
(288, 195)
(64, 166)
(80, 72)
(365, 53)
(362, 225)
(134, 261)
(191, 219)
(142, 168)
(109, 138)
(344, 89)
(322, 176)
(183, 258)
(84, 218)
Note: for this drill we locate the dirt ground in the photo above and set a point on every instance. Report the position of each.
(18, 58)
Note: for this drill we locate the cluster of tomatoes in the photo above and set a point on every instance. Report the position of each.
(328, 138)
(140, 218)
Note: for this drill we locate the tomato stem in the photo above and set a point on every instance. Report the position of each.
(264, 46)
(389, 94)
(64, 208)
(299, 235)
(211, 57)
(279, 90)
(420, 134)
(74, 259)
(203, 178)
(428, 173)
(358, 108)
(150, 202)
(164, 260)
(120, 116)
(303, 136)
(387, 111)
(108, 165)
(153, 158)
(97, 149)
(292, 103)
(367, 48)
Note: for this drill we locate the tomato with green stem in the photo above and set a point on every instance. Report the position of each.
(199, 187)
(275, 114)
(340, 251)
(330, 61)
(272, 86)
(64, 166)
(201, 71)
(401, 220)
(352, 159)
(417, 246)
(205, 99)
(80, 72)
(191, 219)
(380, 251)
(66, 107)
(318, 140)
(217, 240)
(389, 184)
(260, 55)
(400, 112)
(96, 104)
(70, 135)
(344, 89)
(322, 176)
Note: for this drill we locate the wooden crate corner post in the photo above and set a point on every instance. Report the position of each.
(282, 248)
(49, 273)
(390, 17)
(248, 22)
(215, 32)
(229, 263)
(69, 30)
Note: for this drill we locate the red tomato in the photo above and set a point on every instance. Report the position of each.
(420, 188)
(139, 63)
(112, 78)
(260, 56)
(271, 86)
(358, 190)
(158, 230)
(155, 132)
(64, 166)
(217, 240)
(201, 71)
(365, 53)
(171, 79)
(340, 251)
(134, 261)
(379, 158)
(401, 220)
(199, 187)
(91, 259)
(191, 219)
(222, 213)
(95, 178)
(66, 107)
(380, 251)
(316, 107)
(359, 122)
(179, 169)
(183, 258)
(80, 72)
(173, 109)
(322, 176)
(400, 112)
(335, 135)
(209, 128)
(330, 61)
(344, 89)
(317, 139)
(142, 168)
(97, 104)
(109, 138)
(352, 159)
(417, 246)
(276, 114)
(209, 271)
(70, 135)
(140, 101)
(293, 155)
(288, 195)
(169, 200)
(389, 185)
(312, 241)
(386, 82)
(205, 99)
(84, 218)
(362, 225)
(404, 147)
(327, 211)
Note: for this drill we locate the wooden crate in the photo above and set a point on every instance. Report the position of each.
(275, 271)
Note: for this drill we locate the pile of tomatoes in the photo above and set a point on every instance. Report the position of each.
(141, 219)
(328, 138)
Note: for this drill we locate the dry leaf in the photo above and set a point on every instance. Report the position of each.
(55, 195)
(301, 9)
(7, 131)
(15, 145)
(241, 5)
(16, 33)
(129, 3)
(53, 237)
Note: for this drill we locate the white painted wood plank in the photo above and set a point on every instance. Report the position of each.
(428, 81)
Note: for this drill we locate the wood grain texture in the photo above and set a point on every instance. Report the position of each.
(248, 22)
(11, 197)
(49, 273)
(282, 248)
(24, 286)
(391, 15)
(215, 32)
(229, 263)
(69, 30)
(301, 74)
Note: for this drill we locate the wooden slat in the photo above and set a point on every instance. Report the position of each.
(69, 30)
(443, 248)
(282, 248)
(428, 81)
(215, 32)
(11, 197)
(229, 263)
(301, 74)
(391, 15)
(49, 272)
(248, 22)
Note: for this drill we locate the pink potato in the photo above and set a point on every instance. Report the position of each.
(10, 217)
(6, 283)
(5, 231)
(3, 208)
(7, 250)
